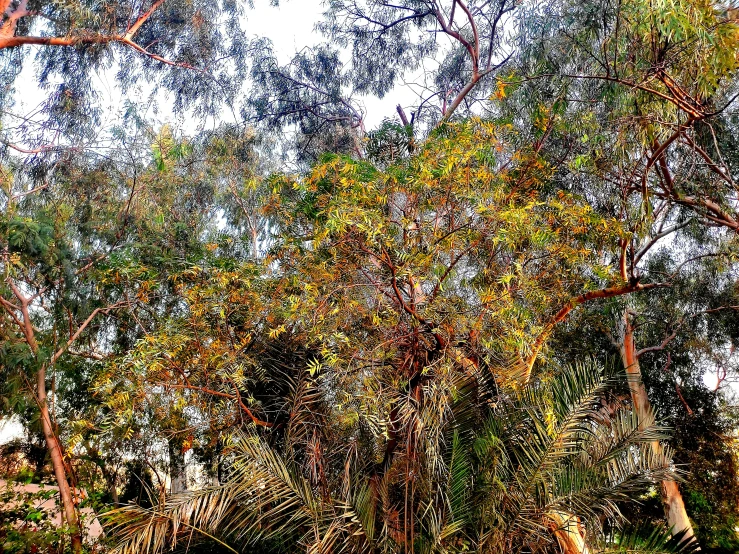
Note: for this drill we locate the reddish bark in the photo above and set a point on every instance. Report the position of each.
(610, 292)
(672, 500)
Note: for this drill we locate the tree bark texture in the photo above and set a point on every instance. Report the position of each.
(57, 461)
(177, 469)
(672, 500)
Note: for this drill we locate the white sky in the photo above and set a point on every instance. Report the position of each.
(9, 430)
(290, 27)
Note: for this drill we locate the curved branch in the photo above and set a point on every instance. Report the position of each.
(562, 314)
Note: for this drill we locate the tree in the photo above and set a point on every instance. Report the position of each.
(79, 37)
(387, 43)
(466, 253)
(627, 60)
(485, 479)
(38, 266)
(75, 252)
(390, 289)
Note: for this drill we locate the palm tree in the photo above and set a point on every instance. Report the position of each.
(518, 470)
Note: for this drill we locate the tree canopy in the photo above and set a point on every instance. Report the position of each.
(238, 317)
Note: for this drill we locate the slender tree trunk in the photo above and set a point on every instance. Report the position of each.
(219, 461)
(677, 517)
(111, 482)
(254, 241)
(53, 444)
(57, 461)
(114, 492)
(177, 474)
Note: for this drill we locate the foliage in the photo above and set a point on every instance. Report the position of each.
(389, 334)
(485, 485)
(390, 340)
(26, 523)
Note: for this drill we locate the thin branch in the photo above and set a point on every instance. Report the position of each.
(141, 20)
(206, 390)
(644, 249)
(81, 328)
(663, 344)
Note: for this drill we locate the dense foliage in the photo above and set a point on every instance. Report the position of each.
(504, 322)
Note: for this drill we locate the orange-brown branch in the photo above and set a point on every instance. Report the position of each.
(212, 392)
(9, 40)
(141, 20)
(16, 41)
(561, 315)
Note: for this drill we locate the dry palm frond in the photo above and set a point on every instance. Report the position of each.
(468, 473)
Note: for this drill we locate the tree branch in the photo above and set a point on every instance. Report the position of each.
(81, 328)
(560, 316)
(141, 20)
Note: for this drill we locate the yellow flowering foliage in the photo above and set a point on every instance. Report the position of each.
(464, 248)
(386, 282)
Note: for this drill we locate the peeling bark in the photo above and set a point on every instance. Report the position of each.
(672, 500)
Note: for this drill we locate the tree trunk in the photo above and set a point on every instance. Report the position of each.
(672, 500)
(57, 461)
(254, 241)
(111, 481)
(569, 533)
(177, 473)
(114, 493)
(62, 473)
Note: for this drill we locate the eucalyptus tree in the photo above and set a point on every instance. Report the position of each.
(649, 89)
(682, 339)
(77, 38)
(77, 251)
(451, 52)
(685, 350)
(50, 306)
(201, 54)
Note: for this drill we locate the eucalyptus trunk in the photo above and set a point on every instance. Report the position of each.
(672, 500)
(177, 470)
(53, 445)
(56, 454)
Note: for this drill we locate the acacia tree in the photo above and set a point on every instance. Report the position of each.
(50, 306)
(75, 252)
(388, 291)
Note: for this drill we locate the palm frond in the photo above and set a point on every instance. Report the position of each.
(651, 540)
(263, 498)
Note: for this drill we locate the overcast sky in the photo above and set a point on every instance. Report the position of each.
(290, 27)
